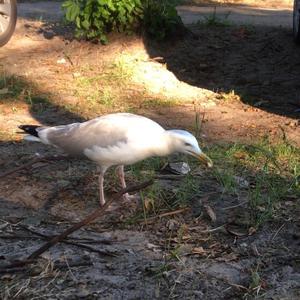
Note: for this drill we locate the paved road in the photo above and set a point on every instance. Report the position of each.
(42, 10)
(190, 14)
(239, 15)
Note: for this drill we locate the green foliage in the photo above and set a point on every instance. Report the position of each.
(95, 18)
(161, 19)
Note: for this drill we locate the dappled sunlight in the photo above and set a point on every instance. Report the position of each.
(157, 81)
(230, 231)
(66, 81)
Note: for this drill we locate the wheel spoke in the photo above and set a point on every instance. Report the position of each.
(5, 9)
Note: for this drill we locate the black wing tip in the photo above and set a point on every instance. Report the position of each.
(30, 129)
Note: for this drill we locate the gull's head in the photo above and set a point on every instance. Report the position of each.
(184, 142)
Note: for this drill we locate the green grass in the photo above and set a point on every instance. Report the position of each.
(122, 68)
(157, 102)
(104, 89)
(273, 171)
(266, 173)
(11, 87)
(17, 90)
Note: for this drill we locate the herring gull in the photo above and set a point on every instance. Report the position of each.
(116, 140)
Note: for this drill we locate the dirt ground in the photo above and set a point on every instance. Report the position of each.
(244, 82)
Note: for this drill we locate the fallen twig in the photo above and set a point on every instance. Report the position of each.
(97, 213)
(80, 244)
(33, 161)
(74, 239)
(169, 176)
(276, 233)
(235, 206)
(220, 228)
(166, 214)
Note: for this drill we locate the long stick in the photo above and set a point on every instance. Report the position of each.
(97, 213)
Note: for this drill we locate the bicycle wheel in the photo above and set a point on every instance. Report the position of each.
(296, 21)
(8, 19)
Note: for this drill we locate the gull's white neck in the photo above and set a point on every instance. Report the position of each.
(167, 145)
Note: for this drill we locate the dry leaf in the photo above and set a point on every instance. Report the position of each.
(251, 230)
(148, 204)
(198, 250)
(227, 257)
(240, 155)
(211, 213)
(236, 231)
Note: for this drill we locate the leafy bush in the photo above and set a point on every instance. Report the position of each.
(95, 18)
(161, 19)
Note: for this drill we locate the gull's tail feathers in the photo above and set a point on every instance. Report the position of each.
(32, 132)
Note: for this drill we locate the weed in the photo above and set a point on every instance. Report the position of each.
(198, 122)
(255, 287)
(227, 180)
(159, 270)
(11, 87)
(230, 96)
(122, 68)
(214, 20)
(189, 188)
(107, 98)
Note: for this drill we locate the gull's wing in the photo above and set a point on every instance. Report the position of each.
(107, 131)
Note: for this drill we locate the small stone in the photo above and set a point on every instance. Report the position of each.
(181, 168)
(61, 61)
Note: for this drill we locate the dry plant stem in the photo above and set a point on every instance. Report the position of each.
(276, 233)
(97, 213)
(33, 161)
(74, 243)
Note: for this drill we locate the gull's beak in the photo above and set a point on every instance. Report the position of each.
(204, 158)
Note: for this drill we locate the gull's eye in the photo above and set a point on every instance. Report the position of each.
(187, 144)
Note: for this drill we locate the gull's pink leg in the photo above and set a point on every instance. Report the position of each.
(101, 192)
(121, 175)
(120, 172)
(102, 171)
